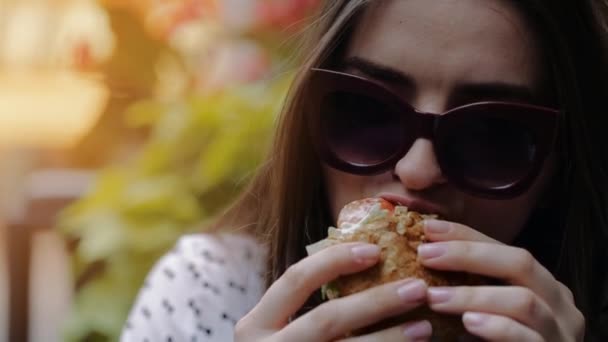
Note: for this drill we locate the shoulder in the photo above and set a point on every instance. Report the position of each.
(231, 250)
(206, 259)
(199, 289)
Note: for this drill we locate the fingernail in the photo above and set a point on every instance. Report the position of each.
(474, 319)
(439, 295)
(412, 290)
(436, 226)
(418, 330)
(365, 253)
(431, 250)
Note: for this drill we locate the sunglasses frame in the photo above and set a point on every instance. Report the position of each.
(542, 121)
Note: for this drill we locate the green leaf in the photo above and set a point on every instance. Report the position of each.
(199, 154)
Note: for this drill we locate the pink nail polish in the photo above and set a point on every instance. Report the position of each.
(438, 295)
(412, 290)
(418, 330)
(365, 253)
(431, 250)
(474, 319)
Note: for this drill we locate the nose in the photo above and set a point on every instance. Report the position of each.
(418, 169)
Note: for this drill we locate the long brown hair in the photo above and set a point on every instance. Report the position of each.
(285, 205)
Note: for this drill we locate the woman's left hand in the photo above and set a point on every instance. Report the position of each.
(534, 306)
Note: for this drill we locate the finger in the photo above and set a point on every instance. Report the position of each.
(518, 303)
(514, 265)
(414, 332)
(497, 328)
(340, 316)
(438, 230)
(576, 320)
(292, 289)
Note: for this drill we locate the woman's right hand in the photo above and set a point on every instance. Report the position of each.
(269, 320)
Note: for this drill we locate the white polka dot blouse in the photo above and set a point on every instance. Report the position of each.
(199, 290)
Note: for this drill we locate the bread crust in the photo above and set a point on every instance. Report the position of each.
(398, 232)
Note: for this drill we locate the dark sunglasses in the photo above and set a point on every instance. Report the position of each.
(488, 149)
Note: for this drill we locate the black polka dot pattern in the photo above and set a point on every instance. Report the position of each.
(207, 330)
(168, 306)
(199, 290)
(146, 312)
(169, 273)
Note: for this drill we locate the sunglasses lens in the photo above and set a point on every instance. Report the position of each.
(489, 152)
(360, 130)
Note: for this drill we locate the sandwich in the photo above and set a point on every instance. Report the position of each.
(398, 232)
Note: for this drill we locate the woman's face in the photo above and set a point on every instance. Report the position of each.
(445, 53)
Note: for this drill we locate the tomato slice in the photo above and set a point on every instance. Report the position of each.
(357, 211)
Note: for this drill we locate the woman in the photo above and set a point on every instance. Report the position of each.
(516, 166)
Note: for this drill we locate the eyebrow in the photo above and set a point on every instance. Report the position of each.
(378, 72)
(473, 92)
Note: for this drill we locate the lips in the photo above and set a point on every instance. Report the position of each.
(415, 204)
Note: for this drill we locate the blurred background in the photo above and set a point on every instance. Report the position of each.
(123, 125)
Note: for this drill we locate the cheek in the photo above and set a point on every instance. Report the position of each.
(343, 188)
(340, 187)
